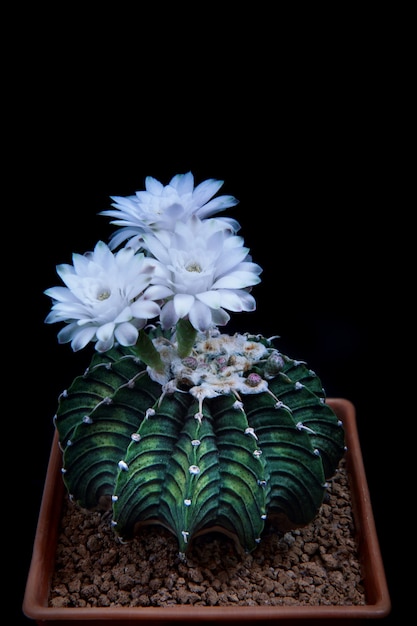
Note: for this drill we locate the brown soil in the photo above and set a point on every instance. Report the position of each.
(315, 565)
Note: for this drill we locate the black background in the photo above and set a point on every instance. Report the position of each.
(306, 132)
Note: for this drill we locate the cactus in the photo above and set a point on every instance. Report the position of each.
(173, 422)
(200, 453)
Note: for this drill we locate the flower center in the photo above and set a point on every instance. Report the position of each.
(193, 267)
(103, 295)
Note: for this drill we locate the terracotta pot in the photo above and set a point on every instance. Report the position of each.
(377, 605)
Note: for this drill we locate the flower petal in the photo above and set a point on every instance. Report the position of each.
(126, 334)
(183, 303)
(168, 315)
(79, 337)
(145, 309)
(157, 292)
(237, 280)
(200, 316)
(220, 317)
(237, 300)
(210, 298)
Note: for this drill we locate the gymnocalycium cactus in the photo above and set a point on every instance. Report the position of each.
(175, 422)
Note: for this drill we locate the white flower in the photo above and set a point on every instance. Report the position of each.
(160, 207)
(105, 298)
(205, 270)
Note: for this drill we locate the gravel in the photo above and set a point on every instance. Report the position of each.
(314, 565)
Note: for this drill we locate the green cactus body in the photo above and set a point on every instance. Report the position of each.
(203, 460)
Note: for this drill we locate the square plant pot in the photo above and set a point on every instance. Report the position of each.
(377, 604)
